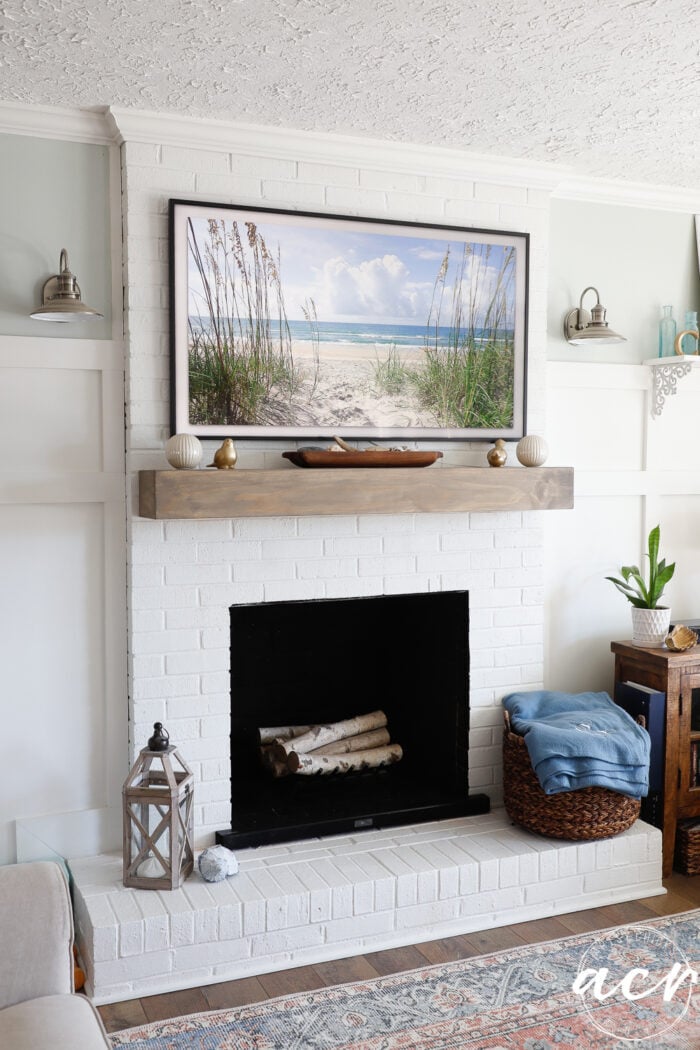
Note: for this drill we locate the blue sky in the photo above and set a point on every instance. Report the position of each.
(354, 274)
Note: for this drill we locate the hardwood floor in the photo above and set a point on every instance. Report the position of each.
(683, 895)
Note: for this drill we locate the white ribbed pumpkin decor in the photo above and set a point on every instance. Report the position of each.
(650, 627)
(532, 450)
(183, 451)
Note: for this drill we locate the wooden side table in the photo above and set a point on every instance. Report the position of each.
(678, 676)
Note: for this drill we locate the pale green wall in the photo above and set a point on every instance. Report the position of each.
(637, 259)
(53, 195)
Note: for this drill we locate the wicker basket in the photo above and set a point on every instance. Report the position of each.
(587, 813)
(687, 855)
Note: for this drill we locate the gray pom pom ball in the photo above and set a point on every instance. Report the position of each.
(217, 863)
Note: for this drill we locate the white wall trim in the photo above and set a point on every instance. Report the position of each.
(636, 483)
(596, 374)
(36, 351)
(56, 122)
(628, 194)
(25, 489)
(117, 240)
(199, 133)
(561, 181)
(115, 125)
(672, 480)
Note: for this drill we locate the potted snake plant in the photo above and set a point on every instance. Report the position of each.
(650, 621)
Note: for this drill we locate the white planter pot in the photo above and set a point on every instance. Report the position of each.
(650, 627)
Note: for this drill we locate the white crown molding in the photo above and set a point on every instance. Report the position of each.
(561, 181)
(109, 126)
(56, 122)
(264, 141)
(628, 194)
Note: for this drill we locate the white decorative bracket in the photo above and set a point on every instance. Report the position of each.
(665, 372)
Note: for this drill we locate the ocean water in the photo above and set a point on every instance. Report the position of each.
(405, 335)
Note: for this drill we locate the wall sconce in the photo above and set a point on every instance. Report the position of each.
(582, 328)
(60, 297)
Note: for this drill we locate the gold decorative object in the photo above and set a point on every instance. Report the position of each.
(225, 457)
(497, 455)
(681, 638)
(679, 339)
(158, 817)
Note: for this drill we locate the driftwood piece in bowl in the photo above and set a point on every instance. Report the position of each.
(370, 457)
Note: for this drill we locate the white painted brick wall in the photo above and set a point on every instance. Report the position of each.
(185, 575)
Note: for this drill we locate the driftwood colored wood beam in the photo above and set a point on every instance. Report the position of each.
(271, 493)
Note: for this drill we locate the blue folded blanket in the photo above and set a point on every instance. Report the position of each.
(578, 740)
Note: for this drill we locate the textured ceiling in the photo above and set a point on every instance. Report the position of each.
(610, 88)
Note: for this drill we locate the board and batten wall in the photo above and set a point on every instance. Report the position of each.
(62, 524)
(63, 745)
(632, 471)
(55, 195)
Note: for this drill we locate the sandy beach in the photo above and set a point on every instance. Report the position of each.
(344, 391)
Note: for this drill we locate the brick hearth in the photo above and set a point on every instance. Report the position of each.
(307, 902)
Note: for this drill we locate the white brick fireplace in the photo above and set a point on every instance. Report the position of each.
(317, 900)
(186, 574)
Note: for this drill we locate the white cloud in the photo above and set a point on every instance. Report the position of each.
(429, 254)
(385, 288)
(378, 287)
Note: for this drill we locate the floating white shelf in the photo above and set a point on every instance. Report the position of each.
(666, 371)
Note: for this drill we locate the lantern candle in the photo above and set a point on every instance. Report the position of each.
(158, 817)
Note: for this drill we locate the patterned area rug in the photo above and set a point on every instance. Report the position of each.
(637, 987)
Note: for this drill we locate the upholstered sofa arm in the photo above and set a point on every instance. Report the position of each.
(36, 932)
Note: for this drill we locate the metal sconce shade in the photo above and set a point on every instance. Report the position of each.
(582, 328)
(60, 297)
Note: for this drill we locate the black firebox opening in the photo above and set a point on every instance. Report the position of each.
(311, 662)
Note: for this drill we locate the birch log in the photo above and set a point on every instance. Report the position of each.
(268, 734)
(375, 758)
(318, 736)
(361, 742)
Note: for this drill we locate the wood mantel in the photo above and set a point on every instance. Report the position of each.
(271, 493)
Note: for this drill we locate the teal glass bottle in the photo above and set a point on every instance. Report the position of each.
(667, 332)
(689, 343)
